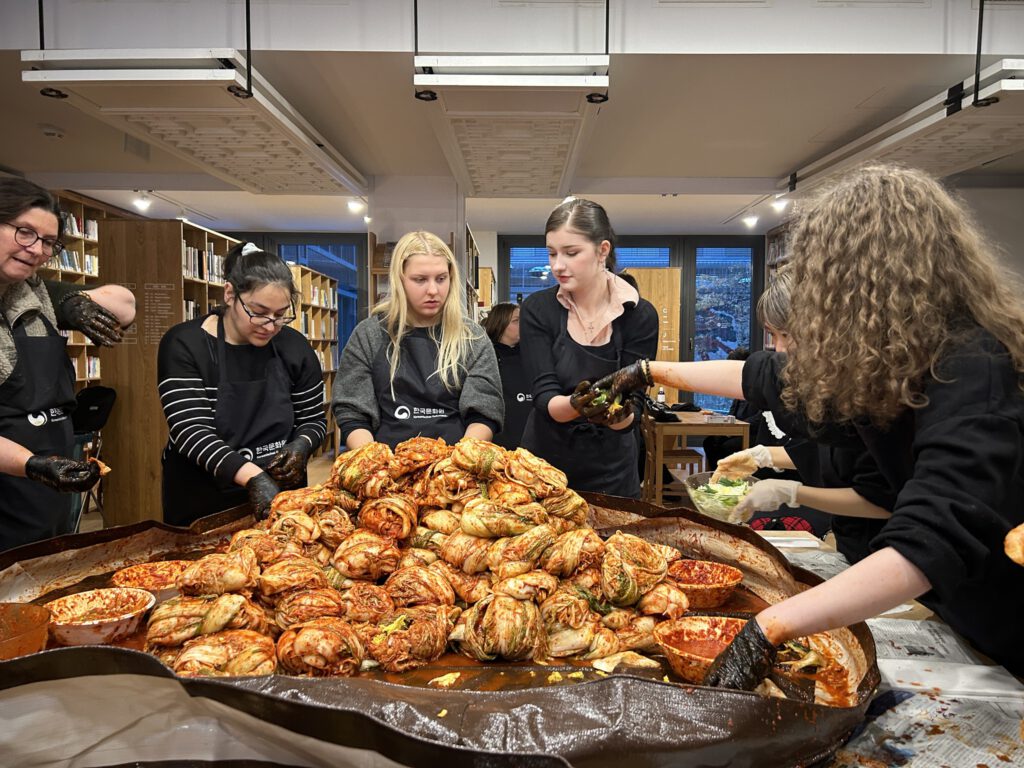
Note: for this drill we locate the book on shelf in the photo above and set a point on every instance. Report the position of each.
(72, 225)
(190, 309)
(92, 367)
(191, 262)
(92, 229)
(214, 266)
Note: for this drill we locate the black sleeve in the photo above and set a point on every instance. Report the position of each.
(307, 391)
(539, 322)
(965, 491)
(57, 291)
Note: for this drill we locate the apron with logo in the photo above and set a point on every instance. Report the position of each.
(518, 395)
(594, 458)
(255, 418)
(417, 402)
(36, 401)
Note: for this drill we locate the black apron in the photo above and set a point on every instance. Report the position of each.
(518, 395)
(35, 411)
(594, 458)
(255, 418)
(420, 405)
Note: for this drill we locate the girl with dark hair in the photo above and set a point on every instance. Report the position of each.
(905, 339)
(37, 380)
(243, 395)
(502, 327)
(587, 326)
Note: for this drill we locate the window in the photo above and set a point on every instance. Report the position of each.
(529, 270)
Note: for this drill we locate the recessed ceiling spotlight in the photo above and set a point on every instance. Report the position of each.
(53, 93)
(750, 221)
(779, 205)
(367, 219)
(356, 206)
(426, 95)
(597, 98)
(142, 201)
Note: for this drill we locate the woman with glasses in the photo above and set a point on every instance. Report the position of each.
(418, 365)
(37, 380)
(243, 395)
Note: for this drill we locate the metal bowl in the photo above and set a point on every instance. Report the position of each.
(99, 615)
(23, 629)
(710, 505)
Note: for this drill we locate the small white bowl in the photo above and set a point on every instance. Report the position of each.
(98, 616)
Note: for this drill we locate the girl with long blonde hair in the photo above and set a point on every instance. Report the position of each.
(418, 365)
(905, 335)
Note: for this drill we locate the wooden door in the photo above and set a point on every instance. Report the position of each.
(661, 287)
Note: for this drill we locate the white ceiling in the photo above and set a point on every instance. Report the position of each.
(686, 143)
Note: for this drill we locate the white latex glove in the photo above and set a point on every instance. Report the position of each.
(768, 496)
(743, 463)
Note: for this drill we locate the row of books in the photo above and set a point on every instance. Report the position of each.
(191, 309)
(309, 326)
(200, 265)
(70, 259)
(89, 368)
(329, 361)
(76, 227)
(326, 299)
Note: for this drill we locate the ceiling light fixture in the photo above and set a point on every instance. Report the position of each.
(356, 206)
(426, 95)
(367, 219)
(750, 221)
(142, 200)
(779, 205)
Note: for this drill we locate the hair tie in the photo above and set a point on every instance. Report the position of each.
(249, 248)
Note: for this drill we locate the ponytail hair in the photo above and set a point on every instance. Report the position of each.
(248, 268)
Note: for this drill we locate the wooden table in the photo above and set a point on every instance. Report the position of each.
(665, 443)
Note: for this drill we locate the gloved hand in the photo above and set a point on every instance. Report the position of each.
(262, 489)
(745, 663)
(626, 380)
(767, 496)
(610, 414)
(62, 473)
(288, 465)
(743, 463)
(581, 398)
(81, 313)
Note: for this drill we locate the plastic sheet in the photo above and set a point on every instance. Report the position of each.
(621, 719)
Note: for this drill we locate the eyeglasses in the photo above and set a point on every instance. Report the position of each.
(255, 319)
(27, 237)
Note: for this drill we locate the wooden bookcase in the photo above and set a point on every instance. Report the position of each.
(317, 319)
(661, 287)
(79, 264)
(487, 287)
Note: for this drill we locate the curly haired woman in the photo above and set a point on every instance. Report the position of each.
(906, 335)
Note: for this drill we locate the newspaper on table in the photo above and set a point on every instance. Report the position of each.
(821, 562)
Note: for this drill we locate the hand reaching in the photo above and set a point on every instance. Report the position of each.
(743, 463)
(81, 313)
(262, 489)
(745, 663)
(768, 496)
(288, 465)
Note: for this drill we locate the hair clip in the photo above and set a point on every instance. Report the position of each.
(249, 248)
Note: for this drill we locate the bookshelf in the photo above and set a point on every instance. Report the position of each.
(79, 264)
(487, 285)
(316, 318)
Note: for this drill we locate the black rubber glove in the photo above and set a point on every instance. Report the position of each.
(581, 397)
(288, 466)
(62, 473)
(610, 415)
(626, 380)
(262, 489)
(81, 313)
(745, 663)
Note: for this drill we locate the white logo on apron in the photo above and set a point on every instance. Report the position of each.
(524, 397)
(37, 419)
(247, 453)
(402, 412)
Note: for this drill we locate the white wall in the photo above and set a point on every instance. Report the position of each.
(487, 245)
(487, 26)
(998, 212)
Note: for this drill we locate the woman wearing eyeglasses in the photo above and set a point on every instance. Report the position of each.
(37, 380)
(243, 395)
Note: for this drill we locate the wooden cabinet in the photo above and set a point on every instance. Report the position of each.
(487, 287)
(661, 287)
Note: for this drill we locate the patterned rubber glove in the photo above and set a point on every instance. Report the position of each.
(743, 463)
(581, 398)
(745, 663)
(288, 466)
(262, 489)
(81, 313)
(768, 496)
(63, 474)
(626, 380)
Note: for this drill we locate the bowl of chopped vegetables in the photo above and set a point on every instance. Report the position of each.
(720, 499)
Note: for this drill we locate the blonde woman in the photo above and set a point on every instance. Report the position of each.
(418, 365)
(905, 333)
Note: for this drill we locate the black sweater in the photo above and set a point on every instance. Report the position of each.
(187, 375)
(957, 465)
(540, 322)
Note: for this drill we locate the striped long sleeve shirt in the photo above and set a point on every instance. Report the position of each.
(188, 373)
